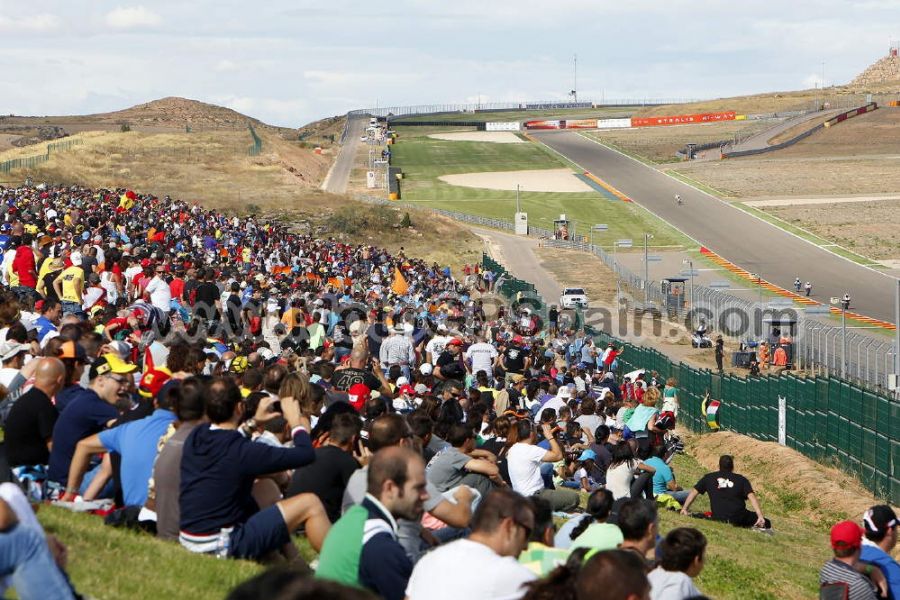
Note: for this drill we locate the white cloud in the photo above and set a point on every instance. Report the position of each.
(131, 17)
(41, 23)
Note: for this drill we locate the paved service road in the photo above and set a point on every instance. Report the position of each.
(751, 243)
(339, 175)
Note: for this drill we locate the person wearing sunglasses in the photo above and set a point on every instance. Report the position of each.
(88, 413)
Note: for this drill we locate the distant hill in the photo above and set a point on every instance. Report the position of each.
(882, 76)
(179, 112)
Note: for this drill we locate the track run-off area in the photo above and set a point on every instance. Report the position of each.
(755, 245)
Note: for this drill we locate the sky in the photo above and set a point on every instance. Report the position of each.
(292, 62)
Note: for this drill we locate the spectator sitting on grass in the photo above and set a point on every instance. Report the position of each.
(727, 492)
(638, 521)
(882, 529)
(844, 569)
(362, 548)
(593, 531)
(664, 478)
(683, 553)
(219, 466)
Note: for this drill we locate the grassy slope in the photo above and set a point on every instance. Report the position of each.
(424, 159)
(135, 566)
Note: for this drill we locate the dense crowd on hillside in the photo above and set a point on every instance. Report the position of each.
(224, 383)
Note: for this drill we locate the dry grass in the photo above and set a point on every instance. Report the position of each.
(758, 103)
(828, 494)
(659, 144)
(867, 228)
(754, 177)
(214, 169)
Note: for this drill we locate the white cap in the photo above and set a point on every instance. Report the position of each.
(75, 257)
(10, 348)
(426, 369)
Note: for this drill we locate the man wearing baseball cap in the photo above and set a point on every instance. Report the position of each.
(88, 413)
(844, 568)
(882, 529)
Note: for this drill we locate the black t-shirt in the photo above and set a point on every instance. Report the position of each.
(207, 294)
(49, 292)
(189, 286)
(450, 366)
(327, 478)
(28, 427)
(344, 378)
(87, 265)
(514, 359)
(727, 493)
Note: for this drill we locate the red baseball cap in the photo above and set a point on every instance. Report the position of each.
(358, 395)
(455, 342)
(846, 534)
(517, 339)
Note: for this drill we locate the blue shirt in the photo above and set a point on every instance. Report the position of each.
(44, 326)
(878, 557)
(662, 476)
(136, 442)
(84, 416)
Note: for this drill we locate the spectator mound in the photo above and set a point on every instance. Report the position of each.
(821, 492)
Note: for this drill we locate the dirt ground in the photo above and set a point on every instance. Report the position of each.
(544, 180)
(829, 494)
(753, 177)
(496, 137)
(867, 228)
(659, 144)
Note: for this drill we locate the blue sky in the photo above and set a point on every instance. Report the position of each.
(291, 62)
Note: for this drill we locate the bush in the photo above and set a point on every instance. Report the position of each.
(125, 128)
(356, 219)
(406, 222)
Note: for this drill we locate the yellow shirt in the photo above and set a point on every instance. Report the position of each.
(72, 284)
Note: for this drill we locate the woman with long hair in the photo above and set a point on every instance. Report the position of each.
(622, 477)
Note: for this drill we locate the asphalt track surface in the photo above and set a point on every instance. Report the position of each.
(339, 176)
(751, 243)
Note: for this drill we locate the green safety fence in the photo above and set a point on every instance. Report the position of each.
(28, 162)
(825, 418)
(255, 148)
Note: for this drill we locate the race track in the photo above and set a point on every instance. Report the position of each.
(751, 243)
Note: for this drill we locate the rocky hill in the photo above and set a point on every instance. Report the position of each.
(883, 74)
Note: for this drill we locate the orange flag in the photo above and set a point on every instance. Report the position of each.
(399, 286)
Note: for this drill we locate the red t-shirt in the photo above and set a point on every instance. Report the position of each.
(24, 267)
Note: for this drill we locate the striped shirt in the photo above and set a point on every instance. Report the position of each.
(835, 571)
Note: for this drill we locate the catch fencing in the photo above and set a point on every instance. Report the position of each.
(830, 420)
(487, 107)
(256, 147)
(29, 162)
(817, 348)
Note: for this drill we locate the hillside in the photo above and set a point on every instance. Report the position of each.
(883, 75)
(166, 115)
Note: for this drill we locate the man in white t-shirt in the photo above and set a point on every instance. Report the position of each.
(436, 344)
(159, 291)
(483, 566)
(482, 356)
(524, 460)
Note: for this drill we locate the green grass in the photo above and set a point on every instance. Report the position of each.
(424, 159)
(529, 115)
(110, 563)
(742, 563)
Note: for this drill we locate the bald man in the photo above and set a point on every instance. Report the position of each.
(29, 427)
(355, 371)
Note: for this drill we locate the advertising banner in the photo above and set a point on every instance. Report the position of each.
(613, 123)
(542, 124)
(579, 124)
(681, 119)
(499, 126)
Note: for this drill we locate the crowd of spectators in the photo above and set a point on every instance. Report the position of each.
(224, 383)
